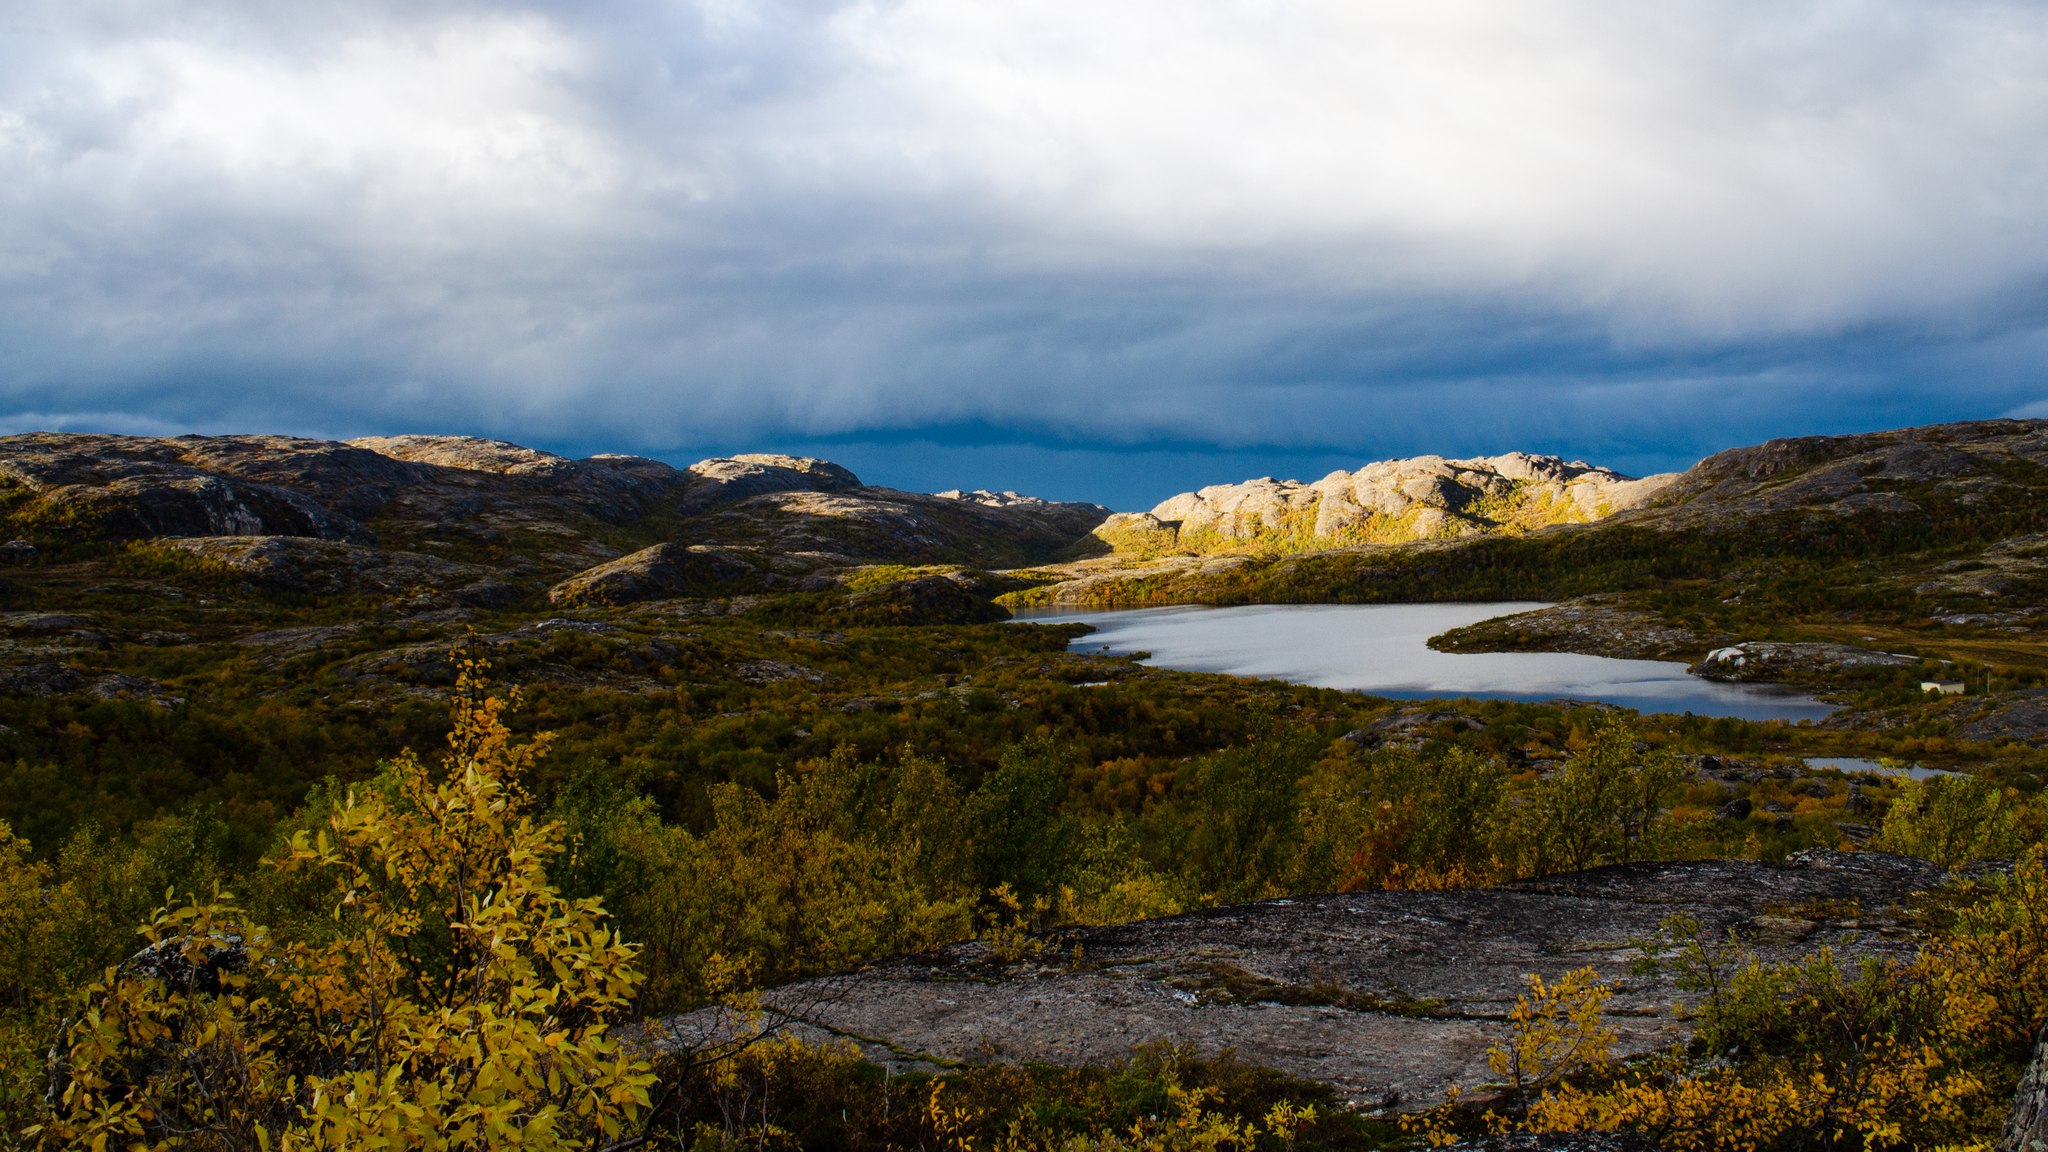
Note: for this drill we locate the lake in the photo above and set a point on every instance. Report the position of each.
(1383, 649)
(1859, 764)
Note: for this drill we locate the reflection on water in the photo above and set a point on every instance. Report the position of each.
(1382, 649)
(1858, 764)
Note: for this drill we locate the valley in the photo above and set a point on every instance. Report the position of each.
(798, 747)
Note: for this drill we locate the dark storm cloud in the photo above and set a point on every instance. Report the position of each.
(1308, 233)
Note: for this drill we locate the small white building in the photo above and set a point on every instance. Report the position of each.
(1942, 687)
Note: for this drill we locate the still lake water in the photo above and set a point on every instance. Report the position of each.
(1383, 649)
(1854, 764)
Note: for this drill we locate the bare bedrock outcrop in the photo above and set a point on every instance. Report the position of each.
(1780, 662)
(1590, 626)
(1388, 502)
(1389, 996)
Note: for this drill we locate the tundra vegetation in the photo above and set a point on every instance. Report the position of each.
(440, 956)
(236, 912)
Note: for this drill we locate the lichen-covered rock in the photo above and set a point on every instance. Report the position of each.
(662, 572)
(1388, 996)
(755, 474)
(127, 487)
(1587, 626)
(609, 486)
(538, 516)
(1773, 662)
(1885, 473)
(1003, 499)
(2006, 718)
(40, 679)
(326, 567)
(469, 453)
(1390, 502)
(881, 525)
(51, 679)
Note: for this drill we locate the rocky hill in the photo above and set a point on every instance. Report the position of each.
(1389, 502)
(1948, 513)
(1904, 472)
(493, 520)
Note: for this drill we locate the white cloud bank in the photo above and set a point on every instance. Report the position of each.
(666, 223)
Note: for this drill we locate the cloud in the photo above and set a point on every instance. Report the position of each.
(1238, 223)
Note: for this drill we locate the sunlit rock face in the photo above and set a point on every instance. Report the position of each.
(1389, 502)
(759, 473)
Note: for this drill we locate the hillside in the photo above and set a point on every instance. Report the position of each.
(1933, 537)
(1389, 502)
(441, 512)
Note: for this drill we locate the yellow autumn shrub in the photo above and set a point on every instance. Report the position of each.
(1812, 1052)
(1557, 1031)
(452, 999)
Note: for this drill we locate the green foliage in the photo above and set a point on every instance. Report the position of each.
(1401, 818)
(1241, 813)
(1450, 817)
(846, 862)
(64, 921)
(1955, 819)
(453, 1000)
(1601, 806)
(785, 1094)
(1015, 831)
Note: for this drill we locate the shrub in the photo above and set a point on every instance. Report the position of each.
(453, 999)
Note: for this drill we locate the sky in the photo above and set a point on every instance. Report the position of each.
(1104, 251)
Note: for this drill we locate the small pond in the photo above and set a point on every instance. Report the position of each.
(1859, 764)
(1383, 649)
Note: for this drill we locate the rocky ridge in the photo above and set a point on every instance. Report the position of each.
(1897, 472)
(1388, 502)
(451, 512)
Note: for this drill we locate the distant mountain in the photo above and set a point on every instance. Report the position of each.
(1389, 502)
(497, 519)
